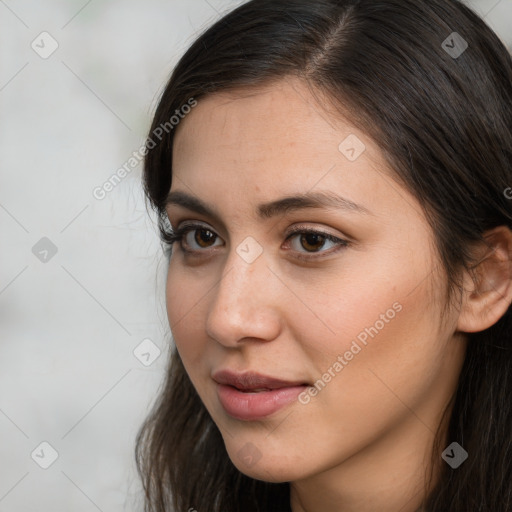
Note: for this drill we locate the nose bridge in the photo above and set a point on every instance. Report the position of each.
(238, 289)
(245, 269)
(243, 306)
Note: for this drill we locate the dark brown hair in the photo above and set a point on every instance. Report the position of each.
(444, 124)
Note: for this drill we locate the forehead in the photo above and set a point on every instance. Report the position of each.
(280, 127)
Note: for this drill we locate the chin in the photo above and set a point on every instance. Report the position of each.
(268, 465)
(269, 473)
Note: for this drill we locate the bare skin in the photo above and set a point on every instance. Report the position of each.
(363, 442)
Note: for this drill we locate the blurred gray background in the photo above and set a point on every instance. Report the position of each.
(82, 311)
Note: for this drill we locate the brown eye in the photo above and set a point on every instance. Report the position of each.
(203, 237)
(312, 241)
(193, 238)
(308, 244)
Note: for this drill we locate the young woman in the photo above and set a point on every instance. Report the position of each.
(333, 182)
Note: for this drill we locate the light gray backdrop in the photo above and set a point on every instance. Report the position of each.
(82, 312)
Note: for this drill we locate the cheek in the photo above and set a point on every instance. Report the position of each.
(185, 298)
(374, 325)
(352, 311)
(386, 353)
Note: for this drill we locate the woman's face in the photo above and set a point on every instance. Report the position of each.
(356, 318)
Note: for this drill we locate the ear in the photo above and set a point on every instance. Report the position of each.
(487, 293)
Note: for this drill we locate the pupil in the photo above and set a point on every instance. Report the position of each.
(203, 236)
(313, 240)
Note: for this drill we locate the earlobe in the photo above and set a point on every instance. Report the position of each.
(487, 293)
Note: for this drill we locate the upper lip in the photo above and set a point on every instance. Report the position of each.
(252, 380)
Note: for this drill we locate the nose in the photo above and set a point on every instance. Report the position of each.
(246, 303)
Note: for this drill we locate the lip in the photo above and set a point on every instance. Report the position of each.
(249, 380)
(237, 395)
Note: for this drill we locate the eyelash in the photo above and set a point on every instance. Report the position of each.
(172, 237)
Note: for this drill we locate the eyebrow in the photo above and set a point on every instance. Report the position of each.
(288, 204)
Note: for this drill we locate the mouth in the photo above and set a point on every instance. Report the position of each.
(251, 396)
(253, 382)
(253, 390)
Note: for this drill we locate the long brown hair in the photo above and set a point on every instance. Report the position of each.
(444, 124)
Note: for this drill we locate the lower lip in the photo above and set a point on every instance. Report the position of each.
(253, 406)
